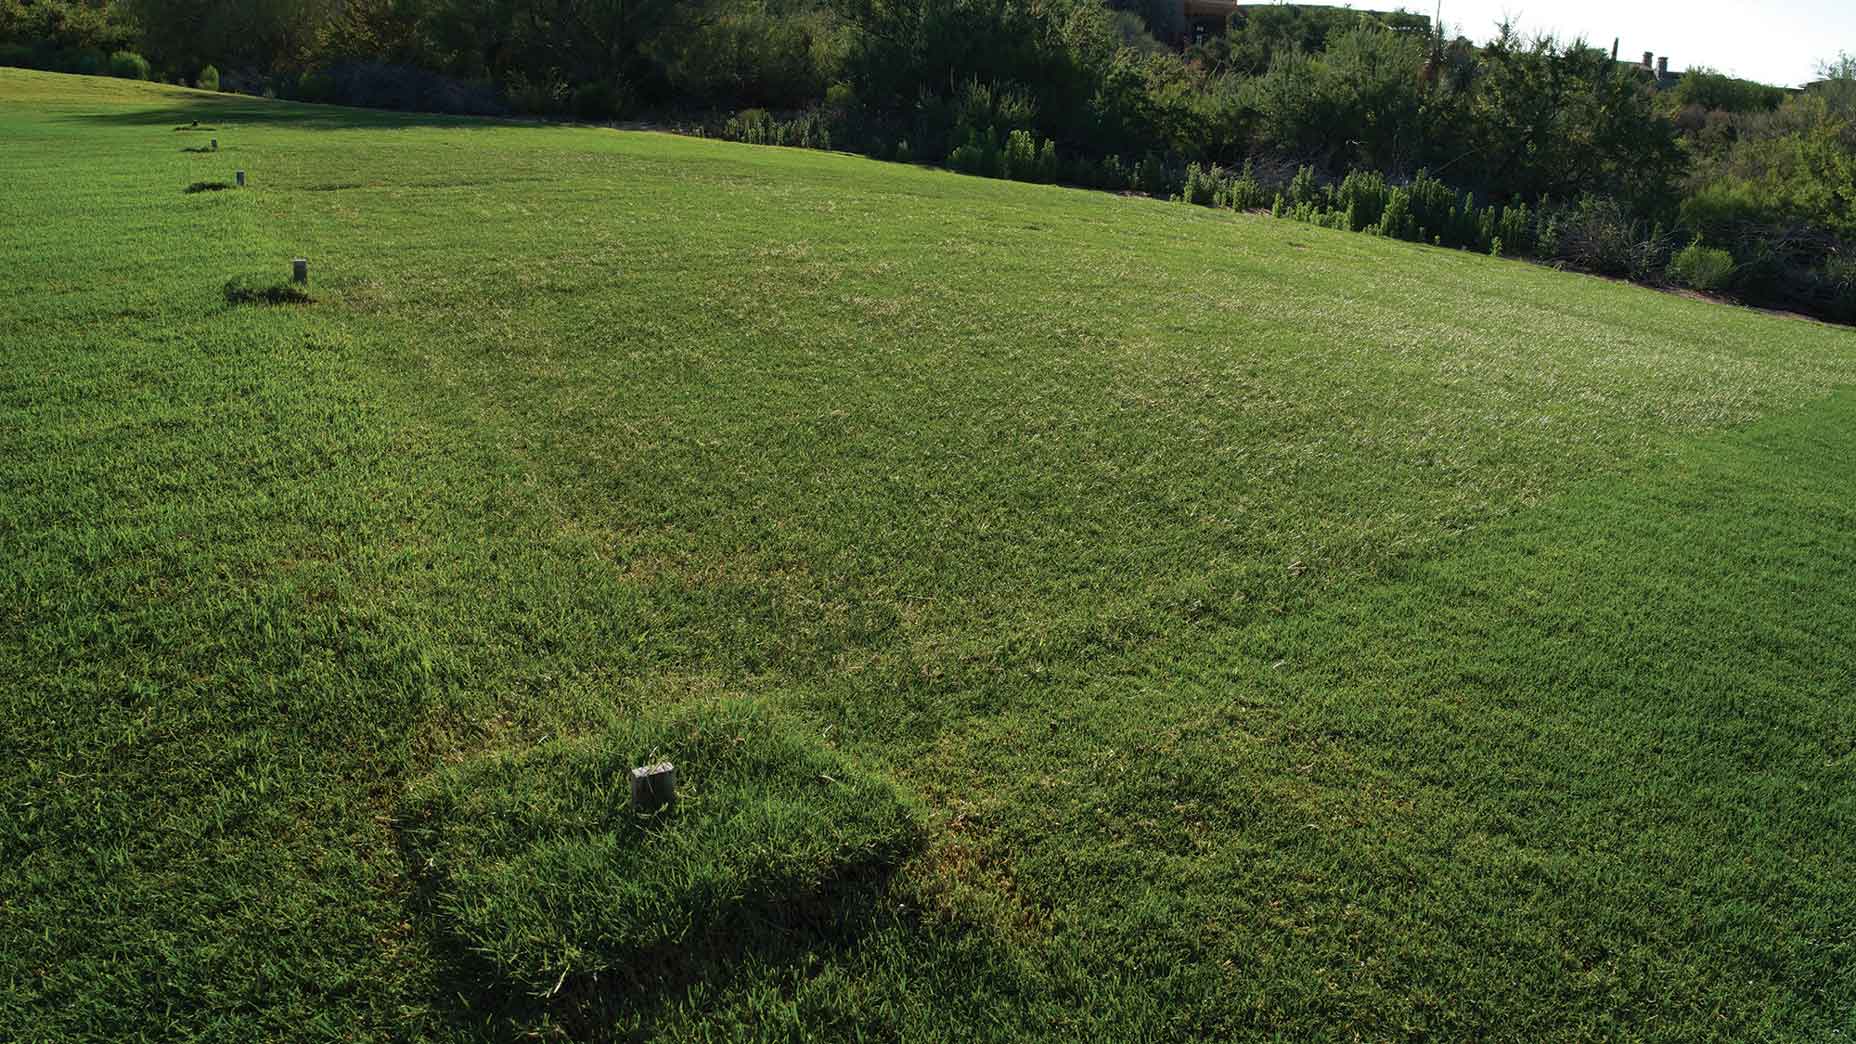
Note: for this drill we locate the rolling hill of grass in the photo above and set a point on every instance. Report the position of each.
(1072, 615)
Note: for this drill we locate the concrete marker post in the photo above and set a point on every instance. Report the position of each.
(239, 176)
(654, 787)
(299, 270)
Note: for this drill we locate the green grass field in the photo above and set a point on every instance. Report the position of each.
(1075, 617)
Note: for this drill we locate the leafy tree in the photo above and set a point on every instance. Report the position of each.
(1554, 120)
(67, 25)
(1717, 92)
(751, 57)
(1838, 87)
(1260, 34)
(1160, 19)
(255, 34)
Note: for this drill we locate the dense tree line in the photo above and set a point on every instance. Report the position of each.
(1715, 182)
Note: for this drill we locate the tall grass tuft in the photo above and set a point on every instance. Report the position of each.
(537, 863)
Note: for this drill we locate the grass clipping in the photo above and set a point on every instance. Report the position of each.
(537, 863)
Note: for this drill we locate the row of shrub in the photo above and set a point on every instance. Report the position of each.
(86, 61)
(384, 85)
(1066, 91)
(983, 149)
(1423, 211)
(1597, 234)
(90, 61)
(809, 130)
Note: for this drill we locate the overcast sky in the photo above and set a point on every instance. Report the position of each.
(1778, 42)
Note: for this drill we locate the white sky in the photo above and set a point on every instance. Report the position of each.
(1780, 43)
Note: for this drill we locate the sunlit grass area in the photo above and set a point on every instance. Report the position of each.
(1073, 615)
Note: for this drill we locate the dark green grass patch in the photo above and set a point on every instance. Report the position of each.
(206, 186)
(241, 292)
(540, 866)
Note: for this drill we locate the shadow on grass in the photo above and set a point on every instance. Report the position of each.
(238, 109)
(239, 292)
(636, 1000)
(554, 903)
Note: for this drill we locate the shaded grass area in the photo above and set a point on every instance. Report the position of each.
(1285, 633)
(240, 291)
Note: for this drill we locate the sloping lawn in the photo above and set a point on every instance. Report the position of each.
(1101, 618)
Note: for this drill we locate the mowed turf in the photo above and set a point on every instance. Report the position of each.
(1279, 633)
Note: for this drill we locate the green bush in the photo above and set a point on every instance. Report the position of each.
(1363, 195)
(1202, 186)
(316, 86)
(841, 98)
(209, 79)
(537, 863)
(1112, 174)
(599, 101)
(975, 157)
(1720, 209)
(753, 126)
(1150, 176)
(1398, 222)
(17, 55)
(1436, 207)
(808, 130)
(1514, 226)
(1020, 162)
(1050, 168)
(536, 97)
(1839, 278)
(1247, 193)
(1303, 188)
(1600, 234)
(86, 61)
(1841, 273)
(128, 65)
(1700, 267)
